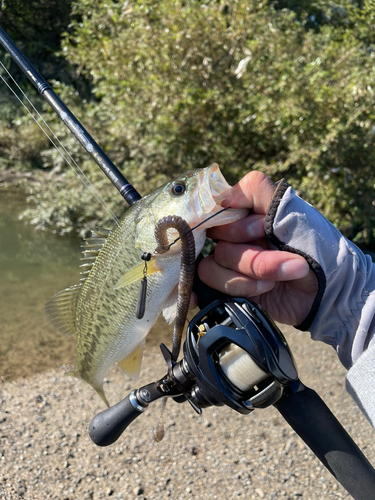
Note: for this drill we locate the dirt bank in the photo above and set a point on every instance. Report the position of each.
(45, 452)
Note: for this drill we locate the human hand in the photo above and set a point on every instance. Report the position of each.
(243, 265)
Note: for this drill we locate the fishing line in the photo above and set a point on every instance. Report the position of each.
(195, 227)
(146, 256)
(78, 171)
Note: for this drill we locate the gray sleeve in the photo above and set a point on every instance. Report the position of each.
(342, 314)
(360, 383)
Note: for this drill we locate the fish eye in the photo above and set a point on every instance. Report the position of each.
(178, 188)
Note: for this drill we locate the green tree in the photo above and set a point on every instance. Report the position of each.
(177, 85)
(168, 74)
(356, 17)
(36, 26)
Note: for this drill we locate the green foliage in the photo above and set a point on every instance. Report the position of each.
(178, 85)
(356, 17)
(37, 26)
(62, 199)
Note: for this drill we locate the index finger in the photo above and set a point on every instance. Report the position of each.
(254, 191)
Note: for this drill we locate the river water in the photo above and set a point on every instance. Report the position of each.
(34, 265)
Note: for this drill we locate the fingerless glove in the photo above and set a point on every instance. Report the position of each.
(343, 312)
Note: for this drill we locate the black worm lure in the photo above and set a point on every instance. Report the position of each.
(185, 284)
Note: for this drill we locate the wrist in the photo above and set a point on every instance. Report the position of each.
(340, 314)
(285, 221)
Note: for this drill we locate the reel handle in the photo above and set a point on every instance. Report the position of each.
(107, 426)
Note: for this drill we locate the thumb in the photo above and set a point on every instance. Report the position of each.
(254, 191)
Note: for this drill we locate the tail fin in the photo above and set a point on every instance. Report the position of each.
(100, 391)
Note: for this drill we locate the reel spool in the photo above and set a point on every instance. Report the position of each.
(239, 368)
(238, 356)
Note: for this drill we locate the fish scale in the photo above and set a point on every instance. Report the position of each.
(101, 311)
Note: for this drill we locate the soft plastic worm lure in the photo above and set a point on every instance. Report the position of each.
(185, 287)
(187, 268)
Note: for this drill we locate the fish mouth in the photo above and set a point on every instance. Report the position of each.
(213, 186)
(208, 196)
(208, 193)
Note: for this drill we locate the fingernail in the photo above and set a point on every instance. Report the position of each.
(264, 286)
(255, 229)
(293, 269)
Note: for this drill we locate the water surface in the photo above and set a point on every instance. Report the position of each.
(34, 265)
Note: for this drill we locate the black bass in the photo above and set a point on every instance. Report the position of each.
(101, 310)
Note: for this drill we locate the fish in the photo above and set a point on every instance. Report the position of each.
(101, 309)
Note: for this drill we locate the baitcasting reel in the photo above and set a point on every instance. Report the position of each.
(234, 354)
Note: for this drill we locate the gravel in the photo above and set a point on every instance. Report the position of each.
(45, 451)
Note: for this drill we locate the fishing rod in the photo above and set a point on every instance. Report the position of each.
(127, 191)
(234, 354)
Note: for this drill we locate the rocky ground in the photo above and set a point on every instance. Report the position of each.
(45, 451)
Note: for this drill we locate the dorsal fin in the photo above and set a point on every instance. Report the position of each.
(91, 249)
(61, 310)
(100, 233)
(94, 243)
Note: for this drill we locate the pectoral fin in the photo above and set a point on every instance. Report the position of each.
(131, 365)
(136, 274)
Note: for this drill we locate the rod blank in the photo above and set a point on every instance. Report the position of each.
(312, 420)
(127, 191)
